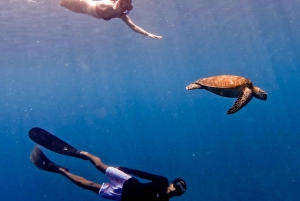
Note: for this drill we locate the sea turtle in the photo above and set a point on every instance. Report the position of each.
(230, 86)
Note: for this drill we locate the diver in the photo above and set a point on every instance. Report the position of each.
(122, 185)
(106, 9)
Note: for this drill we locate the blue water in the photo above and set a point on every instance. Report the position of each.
(105, 89)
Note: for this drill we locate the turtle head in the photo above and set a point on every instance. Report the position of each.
(259, 93)
(194, 86)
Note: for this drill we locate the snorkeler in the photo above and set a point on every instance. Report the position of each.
(122, 185)
(106, 9)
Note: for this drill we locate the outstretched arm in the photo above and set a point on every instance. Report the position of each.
(143, 175)
(138, 29)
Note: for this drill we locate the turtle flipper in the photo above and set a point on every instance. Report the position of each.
(243, 99)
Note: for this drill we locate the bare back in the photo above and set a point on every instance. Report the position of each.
(103, 9)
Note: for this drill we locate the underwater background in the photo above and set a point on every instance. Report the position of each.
(107, 90)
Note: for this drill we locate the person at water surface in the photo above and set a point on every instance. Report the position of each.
(106, 9)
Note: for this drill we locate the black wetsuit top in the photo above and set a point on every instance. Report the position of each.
(133, 190)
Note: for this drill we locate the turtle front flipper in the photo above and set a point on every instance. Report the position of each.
(243, 99)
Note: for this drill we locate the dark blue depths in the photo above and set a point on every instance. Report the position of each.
(109, 91)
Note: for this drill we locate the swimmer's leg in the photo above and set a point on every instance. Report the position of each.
(80, 181)
(73, 5)
(40, 160)
(95, 161)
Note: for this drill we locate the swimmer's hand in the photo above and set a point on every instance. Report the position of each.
(154, 36)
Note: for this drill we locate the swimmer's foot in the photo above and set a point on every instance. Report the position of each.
(84, 153)
(81, 155)
(62, 169)
(39, 159)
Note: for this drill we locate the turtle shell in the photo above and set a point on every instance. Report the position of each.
(224, 82)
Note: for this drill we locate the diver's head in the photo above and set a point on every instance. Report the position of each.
(125, 5)
(177, 187)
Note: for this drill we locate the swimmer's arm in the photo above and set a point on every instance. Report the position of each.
(143, 175)
(138, 29)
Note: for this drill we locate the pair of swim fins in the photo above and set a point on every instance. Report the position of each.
(53, 143)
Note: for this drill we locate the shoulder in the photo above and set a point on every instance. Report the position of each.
(126, 19)
(165, 181)
(161, 181)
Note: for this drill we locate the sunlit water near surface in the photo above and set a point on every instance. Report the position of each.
(110, 91)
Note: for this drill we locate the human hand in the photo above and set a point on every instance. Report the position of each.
(154, 36)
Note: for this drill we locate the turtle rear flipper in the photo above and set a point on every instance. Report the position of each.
(243, 99)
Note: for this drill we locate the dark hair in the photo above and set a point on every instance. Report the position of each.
(180, 186)
(128, 6)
